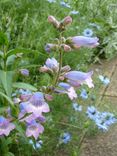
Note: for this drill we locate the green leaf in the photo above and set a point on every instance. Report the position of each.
(3, 39)
(7, 98)
(6, 78)
(24, 86)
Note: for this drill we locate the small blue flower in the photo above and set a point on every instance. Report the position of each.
(104, 80)
(65, 138)
(64, 4)
(51, 1)
(77, 107)
(88, 32)
(84, 94)
(38, 144)
(94, 25)
(74, 12)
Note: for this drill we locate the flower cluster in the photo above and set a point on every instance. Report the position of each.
(102, 119)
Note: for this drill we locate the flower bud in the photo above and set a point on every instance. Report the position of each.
(48, 97)
(49, 47)
(67, 20)
(65, 68)
(24, 72)
(66, 47)
(52, 19)
(43, 69)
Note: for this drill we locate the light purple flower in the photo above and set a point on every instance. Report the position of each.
(83, 41)
(24, 72)
(78, 78)
(34, 129)
(5, 126)
(49, 47)
(51, 64)
(37, 104)
(67, 89)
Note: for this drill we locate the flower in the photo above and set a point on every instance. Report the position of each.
(74, 12)
(49, 47)
(77, 107)
(24, 72)
(104, 79)
(64, 4)
(5, 126)
(65, 138)
(34, 129)
(37, 104)
(51, 64)
(37, 145)
(51, 1)
(84, 94)
(67, 89)
(94, 25)
(83, 41)
(88, 32)
(77, 78)
(102, 119)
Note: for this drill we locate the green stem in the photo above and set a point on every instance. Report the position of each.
(59, 70)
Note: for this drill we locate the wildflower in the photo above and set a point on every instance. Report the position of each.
(66, 47)
(102, 119)
(51, 1)
(34, 129)
(83, 41)
(65, 138)
(24, 72)
(84, 94)
(74, 12)
(92, 112)
(50, 65)
(67, 89)
(77, 78)
(37, 145)
(104, 79)
(64, 4)
(5, 126)
(77, 107)
(88, 32)
(37, 104)
(49, 47)
(94, 25)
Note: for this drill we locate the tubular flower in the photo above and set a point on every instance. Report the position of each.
(83, 41)
(34, 129)
(77, 78)
(49, 47)
(24, 72)
(5, 126)
(51, 64)
(67, 89)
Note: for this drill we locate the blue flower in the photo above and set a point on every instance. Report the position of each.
(104, 80)
(65, 138)
(64, 4)
(38, 144)
(74, 12)
(77, 107)
(84, 94)
(51, 1)
(94, 25)
(88, 32)
(102, 119)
